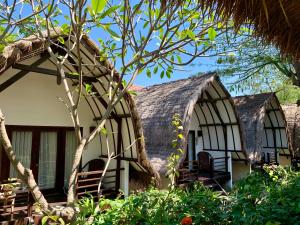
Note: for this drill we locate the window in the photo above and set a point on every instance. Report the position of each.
(44, 150)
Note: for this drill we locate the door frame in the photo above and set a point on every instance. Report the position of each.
(193, 133)
(60, 156)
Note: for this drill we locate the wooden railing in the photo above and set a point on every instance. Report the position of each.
(14, 199)
(189, 170)
(87, 183)
(220, 164)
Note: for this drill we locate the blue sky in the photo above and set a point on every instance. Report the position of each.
(200, 65)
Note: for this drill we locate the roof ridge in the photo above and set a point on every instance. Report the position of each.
(180, 80)
(264, 93)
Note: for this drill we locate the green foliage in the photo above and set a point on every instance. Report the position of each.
(250, 65)
(269, 198)
(146, 207)
(98, 5)
(173, 159)
(288, 93)
(8, 39)
(52, 220)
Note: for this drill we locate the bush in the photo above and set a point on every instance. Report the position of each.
(270, 198)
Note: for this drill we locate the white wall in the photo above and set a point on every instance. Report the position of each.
(194, 125)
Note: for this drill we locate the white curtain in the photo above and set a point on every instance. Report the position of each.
(69, 155)
(22, 144)
(47, 159)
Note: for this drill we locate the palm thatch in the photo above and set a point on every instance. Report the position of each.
(33, 46)
(277, 21)
(157, 105)
(292, 115)
(253, 110)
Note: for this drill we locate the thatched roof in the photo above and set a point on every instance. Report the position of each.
(252, 110)
(33, 46)
(157, 105)
(277, 21)
(292, 115)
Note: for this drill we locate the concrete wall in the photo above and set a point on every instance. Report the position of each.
(284, 161)
(239, 170)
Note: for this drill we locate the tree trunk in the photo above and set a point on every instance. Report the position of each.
(24, 174)
(75, 168)
(296, 65)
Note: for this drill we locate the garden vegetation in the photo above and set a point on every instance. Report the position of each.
(269, 197)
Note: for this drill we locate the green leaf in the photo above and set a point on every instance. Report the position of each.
(190, 34)
(98, 5)
(62, 222)
(179, 59)
(212, 33)
(65, 28)
(155, 69)
(162, 74)
(168, 73)
(113, 34)
(103, 131)
(61, 40)
(88, 88)
(148, 72)
(132, 92)
(44, 220)
(109, 11)
(145, 24)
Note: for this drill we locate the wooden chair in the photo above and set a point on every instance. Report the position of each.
(205, 164)
(89, 177)
(94, 165)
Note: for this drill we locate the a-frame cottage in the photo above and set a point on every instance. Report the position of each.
(265, 130)
(212, 138)
(41, 130)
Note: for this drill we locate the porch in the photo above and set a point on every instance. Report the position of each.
(18, 207)
(212, 172)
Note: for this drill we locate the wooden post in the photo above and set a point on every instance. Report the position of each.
(119, 145)
(226, 147)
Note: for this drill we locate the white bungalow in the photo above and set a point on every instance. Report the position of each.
(265, 130)
(211, 130)
(41, 130)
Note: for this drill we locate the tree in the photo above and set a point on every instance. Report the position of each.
(254, 66)
(149, 35)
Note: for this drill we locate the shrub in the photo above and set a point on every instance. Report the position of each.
(272, 197)
(269, 198)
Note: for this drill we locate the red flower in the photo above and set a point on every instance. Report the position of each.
(186, 221)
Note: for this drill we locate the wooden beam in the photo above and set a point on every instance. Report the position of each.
(274, 127)
(119, 116)
(217, 124)
(272, 110)
(122, 158)
(105, 105)
(224, 127)
(222, 150)
(22, 73)
(119, 146)
(287, 155)
(213, 100)
(51, 72)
